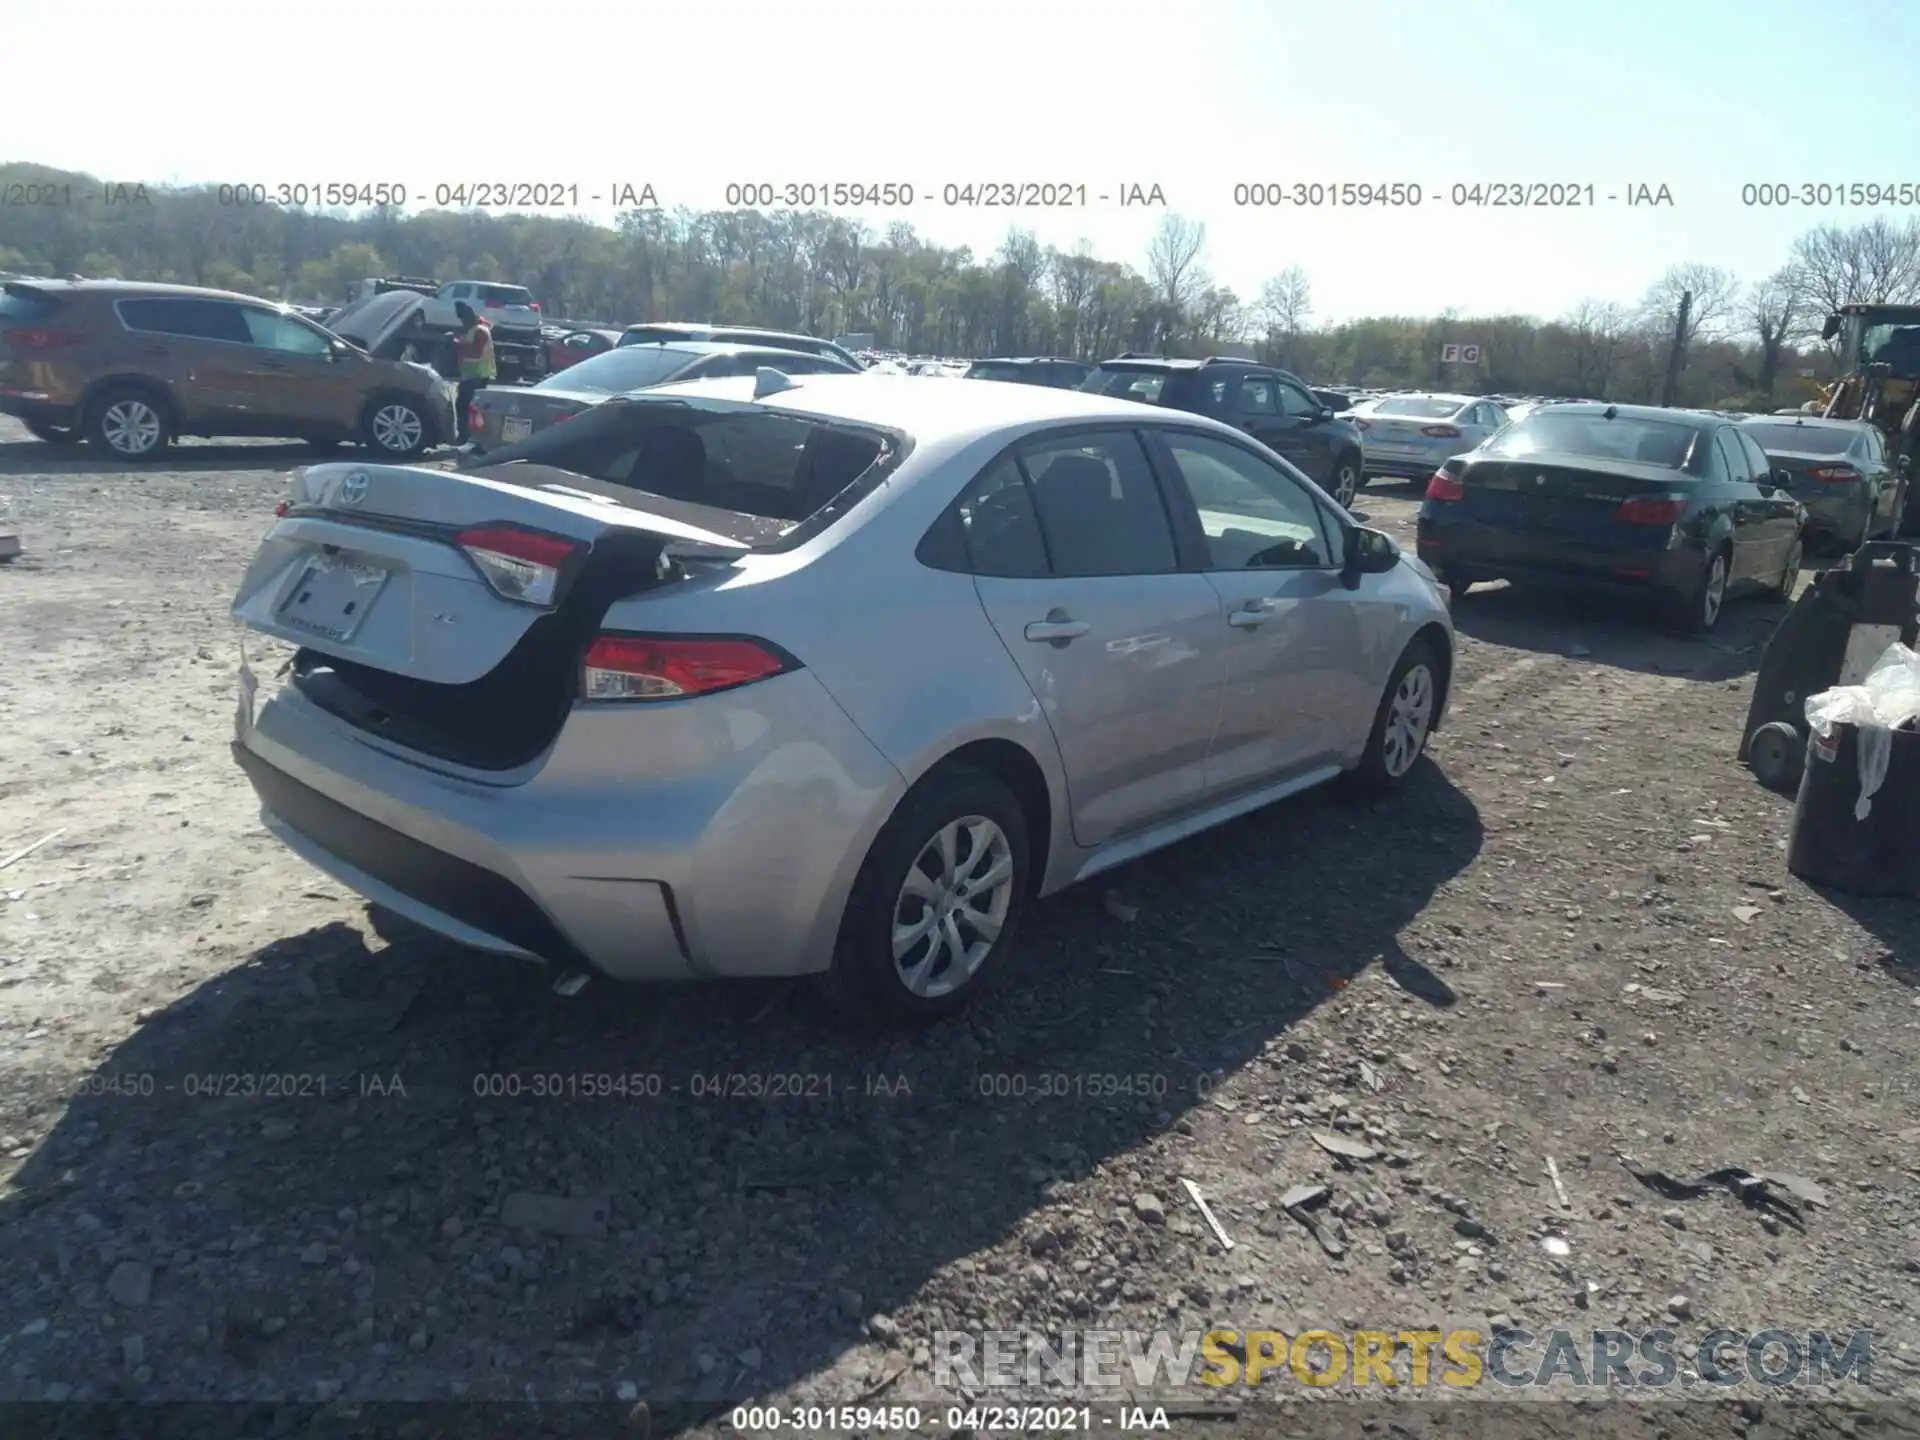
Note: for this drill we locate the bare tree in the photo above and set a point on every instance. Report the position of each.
(1776, 312)
(1716, 296)
(1877, 263)
(1173, 262)
(1599, 329)
(1286, 302)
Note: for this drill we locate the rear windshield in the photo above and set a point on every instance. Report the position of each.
(506, 294)
(985, 370)
(653, 335)
(26, 307)
(613, 372)
(1650, 442)
(1145, 386)
(1417, 407)
(757, 463)
(1801, 439)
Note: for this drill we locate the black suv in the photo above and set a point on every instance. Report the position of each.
(1032, 370)
(1276, 408)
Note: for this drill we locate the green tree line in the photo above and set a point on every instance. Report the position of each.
(1748, 343)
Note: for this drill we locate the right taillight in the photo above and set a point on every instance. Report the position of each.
(521, 565)
(674, 667)
(1651, 510)
(1445, 487)
(42, 339)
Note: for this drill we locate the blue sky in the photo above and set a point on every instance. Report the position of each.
(1702, 96)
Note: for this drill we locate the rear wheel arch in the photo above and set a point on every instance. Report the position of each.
(1014, 767)
(153, 389)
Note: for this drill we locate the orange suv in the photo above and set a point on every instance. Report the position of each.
(130, 366)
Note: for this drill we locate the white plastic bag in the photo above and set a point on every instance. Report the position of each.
(1889, 697)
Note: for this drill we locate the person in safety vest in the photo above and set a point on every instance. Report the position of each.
(473, 348)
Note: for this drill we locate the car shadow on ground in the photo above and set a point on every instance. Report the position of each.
(1626, 632)
(35, 457)
(760, 1218)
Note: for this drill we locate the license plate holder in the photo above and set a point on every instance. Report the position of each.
(517, 428)
(1394, 447)
(333, 597)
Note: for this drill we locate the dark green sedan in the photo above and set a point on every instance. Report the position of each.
(1840, 470)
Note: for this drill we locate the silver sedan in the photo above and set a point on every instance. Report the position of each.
(827, 676)
(1411, 436)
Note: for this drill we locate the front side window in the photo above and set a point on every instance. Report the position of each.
(1254, 516)
(271, 330)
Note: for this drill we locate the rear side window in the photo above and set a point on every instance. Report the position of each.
(26, 308)
(188, 319)
(1100, 508)
(999, 527)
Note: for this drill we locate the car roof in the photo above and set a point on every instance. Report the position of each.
(1694, 419)
(1025, 360)
(691, 328)
(726, 347)
(1811, 422)
(127, 289)
(1438, 395)
(932, 412)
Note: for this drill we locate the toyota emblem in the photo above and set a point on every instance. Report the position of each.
(353, 489)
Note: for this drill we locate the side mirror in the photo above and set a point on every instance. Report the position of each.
(1831, 328)
(1781, 479)
(1369, 552)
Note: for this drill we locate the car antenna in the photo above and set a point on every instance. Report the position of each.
(769, 381)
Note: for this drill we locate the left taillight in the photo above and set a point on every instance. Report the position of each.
(1835, 474)
(521, 565)
(675, 667)
(280, 510)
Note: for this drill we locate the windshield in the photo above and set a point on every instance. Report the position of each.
(1895, 345)
(1416, 407)
(613, 372)
(1801, 439)
(1649, 442)
(1144, 386)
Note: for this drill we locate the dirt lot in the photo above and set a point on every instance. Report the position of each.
(1574, 937)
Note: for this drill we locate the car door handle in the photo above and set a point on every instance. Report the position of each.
(1052, 629)
(1253, 613)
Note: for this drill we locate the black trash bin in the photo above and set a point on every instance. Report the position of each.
(1843, 621)
(1879, 855)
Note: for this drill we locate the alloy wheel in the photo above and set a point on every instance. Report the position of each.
(131, 427)
(397, 429)
(1714, 592)
(1409, 715)
(952, 906)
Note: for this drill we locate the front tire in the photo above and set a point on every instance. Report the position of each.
(396, 428)
(1348, 481)
(128, 424)
(1789, 573)
(1403, 723)
(936, 902)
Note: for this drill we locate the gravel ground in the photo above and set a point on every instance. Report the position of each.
(245, 1159)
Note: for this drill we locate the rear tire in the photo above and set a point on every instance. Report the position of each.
(1402, 724)
(947, 872)
(128, 423)
(52, 434)
(1697, 610)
